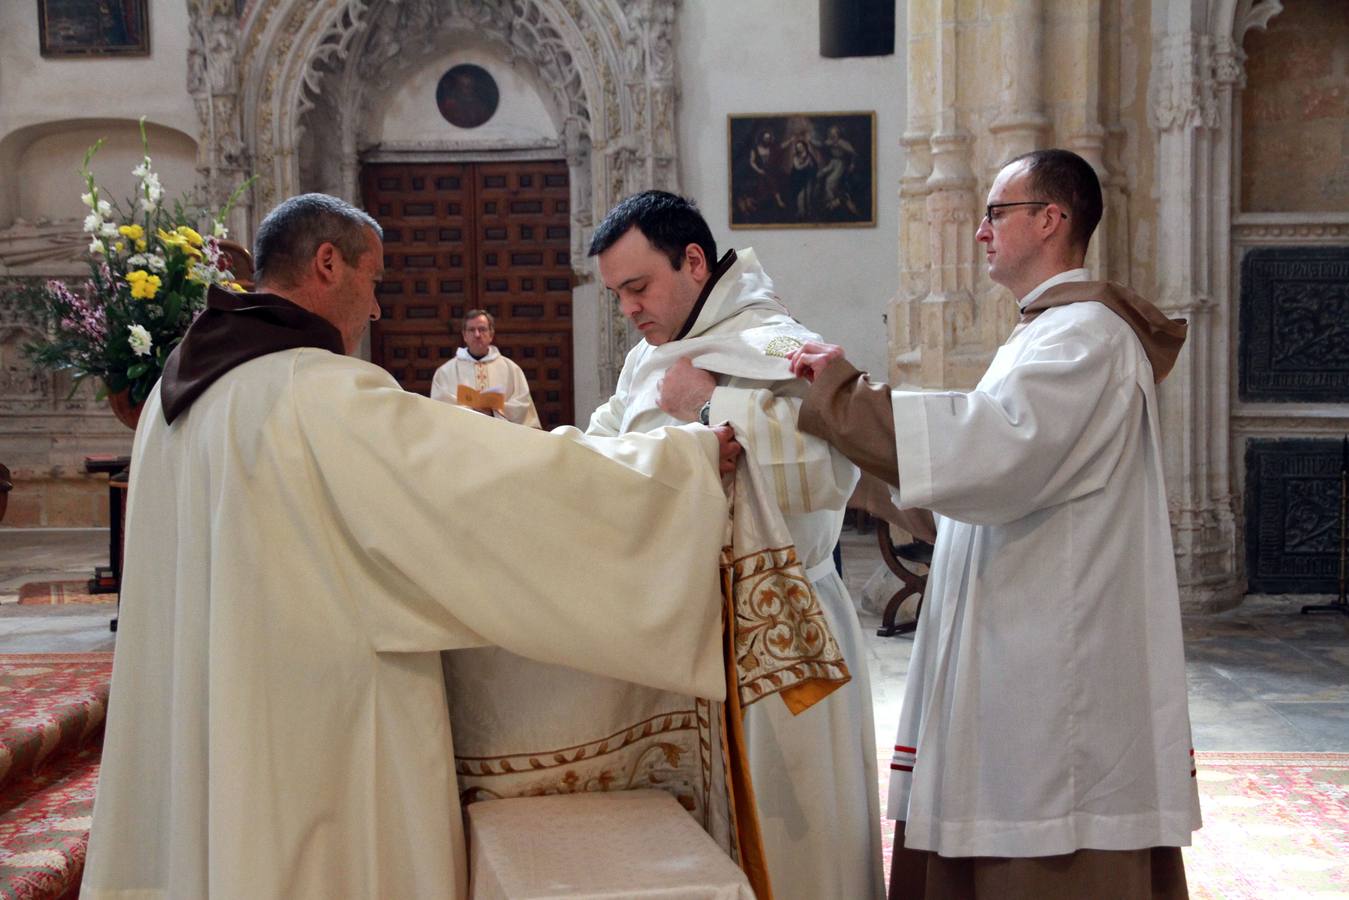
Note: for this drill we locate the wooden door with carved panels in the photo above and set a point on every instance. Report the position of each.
(459, 236)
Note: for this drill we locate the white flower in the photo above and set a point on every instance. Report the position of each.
(93, 222)
(143, 169)
(149, 205)
(220, 230)
(108, 229)
(139, 340)
(87, 200)
(104, 208)
(156, 263)
(136, 262)
(96, 247)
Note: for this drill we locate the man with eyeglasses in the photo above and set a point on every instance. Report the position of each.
(1044, 741)
(480, 378)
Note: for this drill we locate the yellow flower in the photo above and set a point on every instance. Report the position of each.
(134, 232)
(144, 286)
(181, 241)
(141, 244)
(119, 246)
(236, 287)
(192, 237)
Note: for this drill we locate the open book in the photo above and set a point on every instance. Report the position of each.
(491, 399)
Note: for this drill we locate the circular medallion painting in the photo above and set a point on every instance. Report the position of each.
(467, 96)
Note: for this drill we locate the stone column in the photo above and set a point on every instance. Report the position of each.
(213, 82)
(1186, 112)
(1087, 137)
(902, 316)
(947, 312)
(1022, 125)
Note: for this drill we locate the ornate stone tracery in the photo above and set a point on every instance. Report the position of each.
(607, 70)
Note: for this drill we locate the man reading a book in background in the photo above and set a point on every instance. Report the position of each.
(480, 378)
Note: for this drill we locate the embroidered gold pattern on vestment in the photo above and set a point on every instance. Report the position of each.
(782, 346)
(782, 640)
(670, 752)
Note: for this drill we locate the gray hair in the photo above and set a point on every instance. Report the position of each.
(478, 314)
(293, 232)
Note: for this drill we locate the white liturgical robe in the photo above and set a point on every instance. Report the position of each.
(296, 555)
(493, 372)
(1045, 708)
(814, 774)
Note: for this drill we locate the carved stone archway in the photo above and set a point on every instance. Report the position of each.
(609, 70)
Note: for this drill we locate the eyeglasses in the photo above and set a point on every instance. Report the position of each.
(991, 217)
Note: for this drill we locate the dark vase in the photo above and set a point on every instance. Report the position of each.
(127, 413)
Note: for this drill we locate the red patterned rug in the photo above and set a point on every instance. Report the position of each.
(52, 707)
(1276, 825)
(44, 834)
(50, 704)
(50, 593)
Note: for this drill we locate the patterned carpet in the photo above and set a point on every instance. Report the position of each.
(51, 593)
(1276, 825)
(52, 708)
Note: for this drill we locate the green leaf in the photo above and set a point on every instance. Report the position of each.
(137, 370)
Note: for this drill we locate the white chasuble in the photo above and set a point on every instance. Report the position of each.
(813, 773)
(278, 723)
(1045, 708)
(493, 372)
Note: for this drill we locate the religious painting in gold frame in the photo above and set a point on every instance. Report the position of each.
(83, 28)
(802, 170)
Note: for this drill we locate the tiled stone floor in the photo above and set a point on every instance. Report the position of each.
(1261, 677)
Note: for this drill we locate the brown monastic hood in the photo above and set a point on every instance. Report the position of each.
(233, 329)
(1160, 336)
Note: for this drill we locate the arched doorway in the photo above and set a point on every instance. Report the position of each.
(316, 80)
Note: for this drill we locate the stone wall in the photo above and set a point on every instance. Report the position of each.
(987, 81)
(1152, 95)
(1295, 111)
(45, 433)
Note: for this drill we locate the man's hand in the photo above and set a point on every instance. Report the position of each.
(729, 448)
(813, 358)
(683, 390)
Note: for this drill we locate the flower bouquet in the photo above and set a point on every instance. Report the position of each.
(150, 267)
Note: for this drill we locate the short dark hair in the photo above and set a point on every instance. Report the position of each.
(668, 221)
(1063, 177)
(293, 232)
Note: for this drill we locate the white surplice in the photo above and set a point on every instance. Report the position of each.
(814, 774)
(493, 372)
(1046, 695)
(296, 555)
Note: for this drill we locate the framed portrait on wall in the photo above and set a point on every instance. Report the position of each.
(802, 170)
(73, 28)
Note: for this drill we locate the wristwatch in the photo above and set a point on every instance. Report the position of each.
(705, 413)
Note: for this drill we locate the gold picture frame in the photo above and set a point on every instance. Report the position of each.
(802, 170)
(85, 28)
